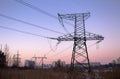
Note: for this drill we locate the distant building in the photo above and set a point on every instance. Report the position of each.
(94, 64)
(47, 66)
(29, 64)
(58, 63)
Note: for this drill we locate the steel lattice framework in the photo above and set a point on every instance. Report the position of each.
(80, 56)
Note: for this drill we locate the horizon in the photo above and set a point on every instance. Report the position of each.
(104, 20)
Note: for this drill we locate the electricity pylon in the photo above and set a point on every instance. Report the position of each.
(42, 60)
(80, 57)
(16, 59)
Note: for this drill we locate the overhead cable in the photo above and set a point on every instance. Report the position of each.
(34, 25)
(42, 11)
(61, 51)
(24, 32)
(35, 8)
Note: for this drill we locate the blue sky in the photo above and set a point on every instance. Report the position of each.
(104, 20)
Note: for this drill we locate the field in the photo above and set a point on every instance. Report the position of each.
(53, 74)
(31, 74)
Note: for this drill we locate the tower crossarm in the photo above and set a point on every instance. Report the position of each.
(89, 36)
(72, 16)
(92, 36)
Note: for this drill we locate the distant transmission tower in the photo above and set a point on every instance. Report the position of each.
(16, 59)
(80, 36)
(42, 60)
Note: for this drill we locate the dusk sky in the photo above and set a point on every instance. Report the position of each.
(104, 20)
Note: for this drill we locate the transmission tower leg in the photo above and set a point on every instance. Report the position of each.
(73, 58)
(89, 68)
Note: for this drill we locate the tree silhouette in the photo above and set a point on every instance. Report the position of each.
(2, 59)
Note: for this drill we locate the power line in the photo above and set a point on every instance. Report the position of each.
(40, 10)
(51, 49)
(35, 8)
(65, 50)
(54, 46)
(61, 51)
(34, 25)
(61, 22)
(24, 32)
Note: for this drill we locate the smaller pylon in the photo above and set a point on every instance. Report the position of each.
(16, 59)
(41, 60)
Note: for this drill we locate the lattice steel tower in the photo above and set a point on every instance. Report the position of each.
(80, 36)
